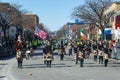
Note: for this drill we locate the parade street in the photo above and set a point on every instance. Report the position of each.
(34, 69)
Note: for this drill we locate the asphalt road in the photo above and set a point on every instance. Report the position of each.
(34, 69)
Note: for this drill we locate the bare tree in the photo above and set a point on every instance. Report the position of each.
(93, 12)
(19, 7)
(41, 26)
(60, 33)
(15, 6)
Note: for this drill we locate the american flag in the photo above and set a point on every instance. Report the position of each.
(40, 33)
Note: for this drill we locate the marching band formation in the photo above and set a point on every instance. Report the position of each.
(101, 52)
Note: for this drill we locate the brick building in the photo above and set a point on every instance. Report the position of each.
(74, 30)
(30, 21)
(12, 17)
(114, 22)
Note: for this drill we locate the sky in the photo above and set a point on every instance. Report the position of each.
(52, 13)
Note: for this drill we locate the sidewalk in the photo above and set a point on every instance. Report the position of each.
(114, 60)
(6, 52)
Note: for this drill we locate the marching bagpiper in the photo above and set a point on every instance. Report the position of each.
(49, 54)
(81, 58)
(62, 52)
(106, 60)
(95, 53)
(76, 54)
(19, 58)
(100, 54)
(44, 55)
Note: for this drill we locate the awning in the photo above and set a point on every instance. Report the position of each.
(107, 31)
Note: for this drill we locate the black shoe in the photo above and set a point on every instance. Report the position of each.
(20, 67)
(81, 66)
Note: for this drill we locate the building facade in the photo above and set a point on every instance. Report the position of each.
(114, 21)
(73, 30)
(30, 22)
(12, 18)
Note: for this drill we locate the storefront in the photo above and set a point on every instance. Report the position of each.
(12, 32)
(107, 34)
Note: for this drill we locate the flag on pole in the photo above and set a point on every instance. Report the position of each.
(82, 34)
(40, 33)
(43, 34)
(37, 30)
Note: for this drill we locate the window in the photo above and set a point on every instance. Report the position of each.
(112, 18)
